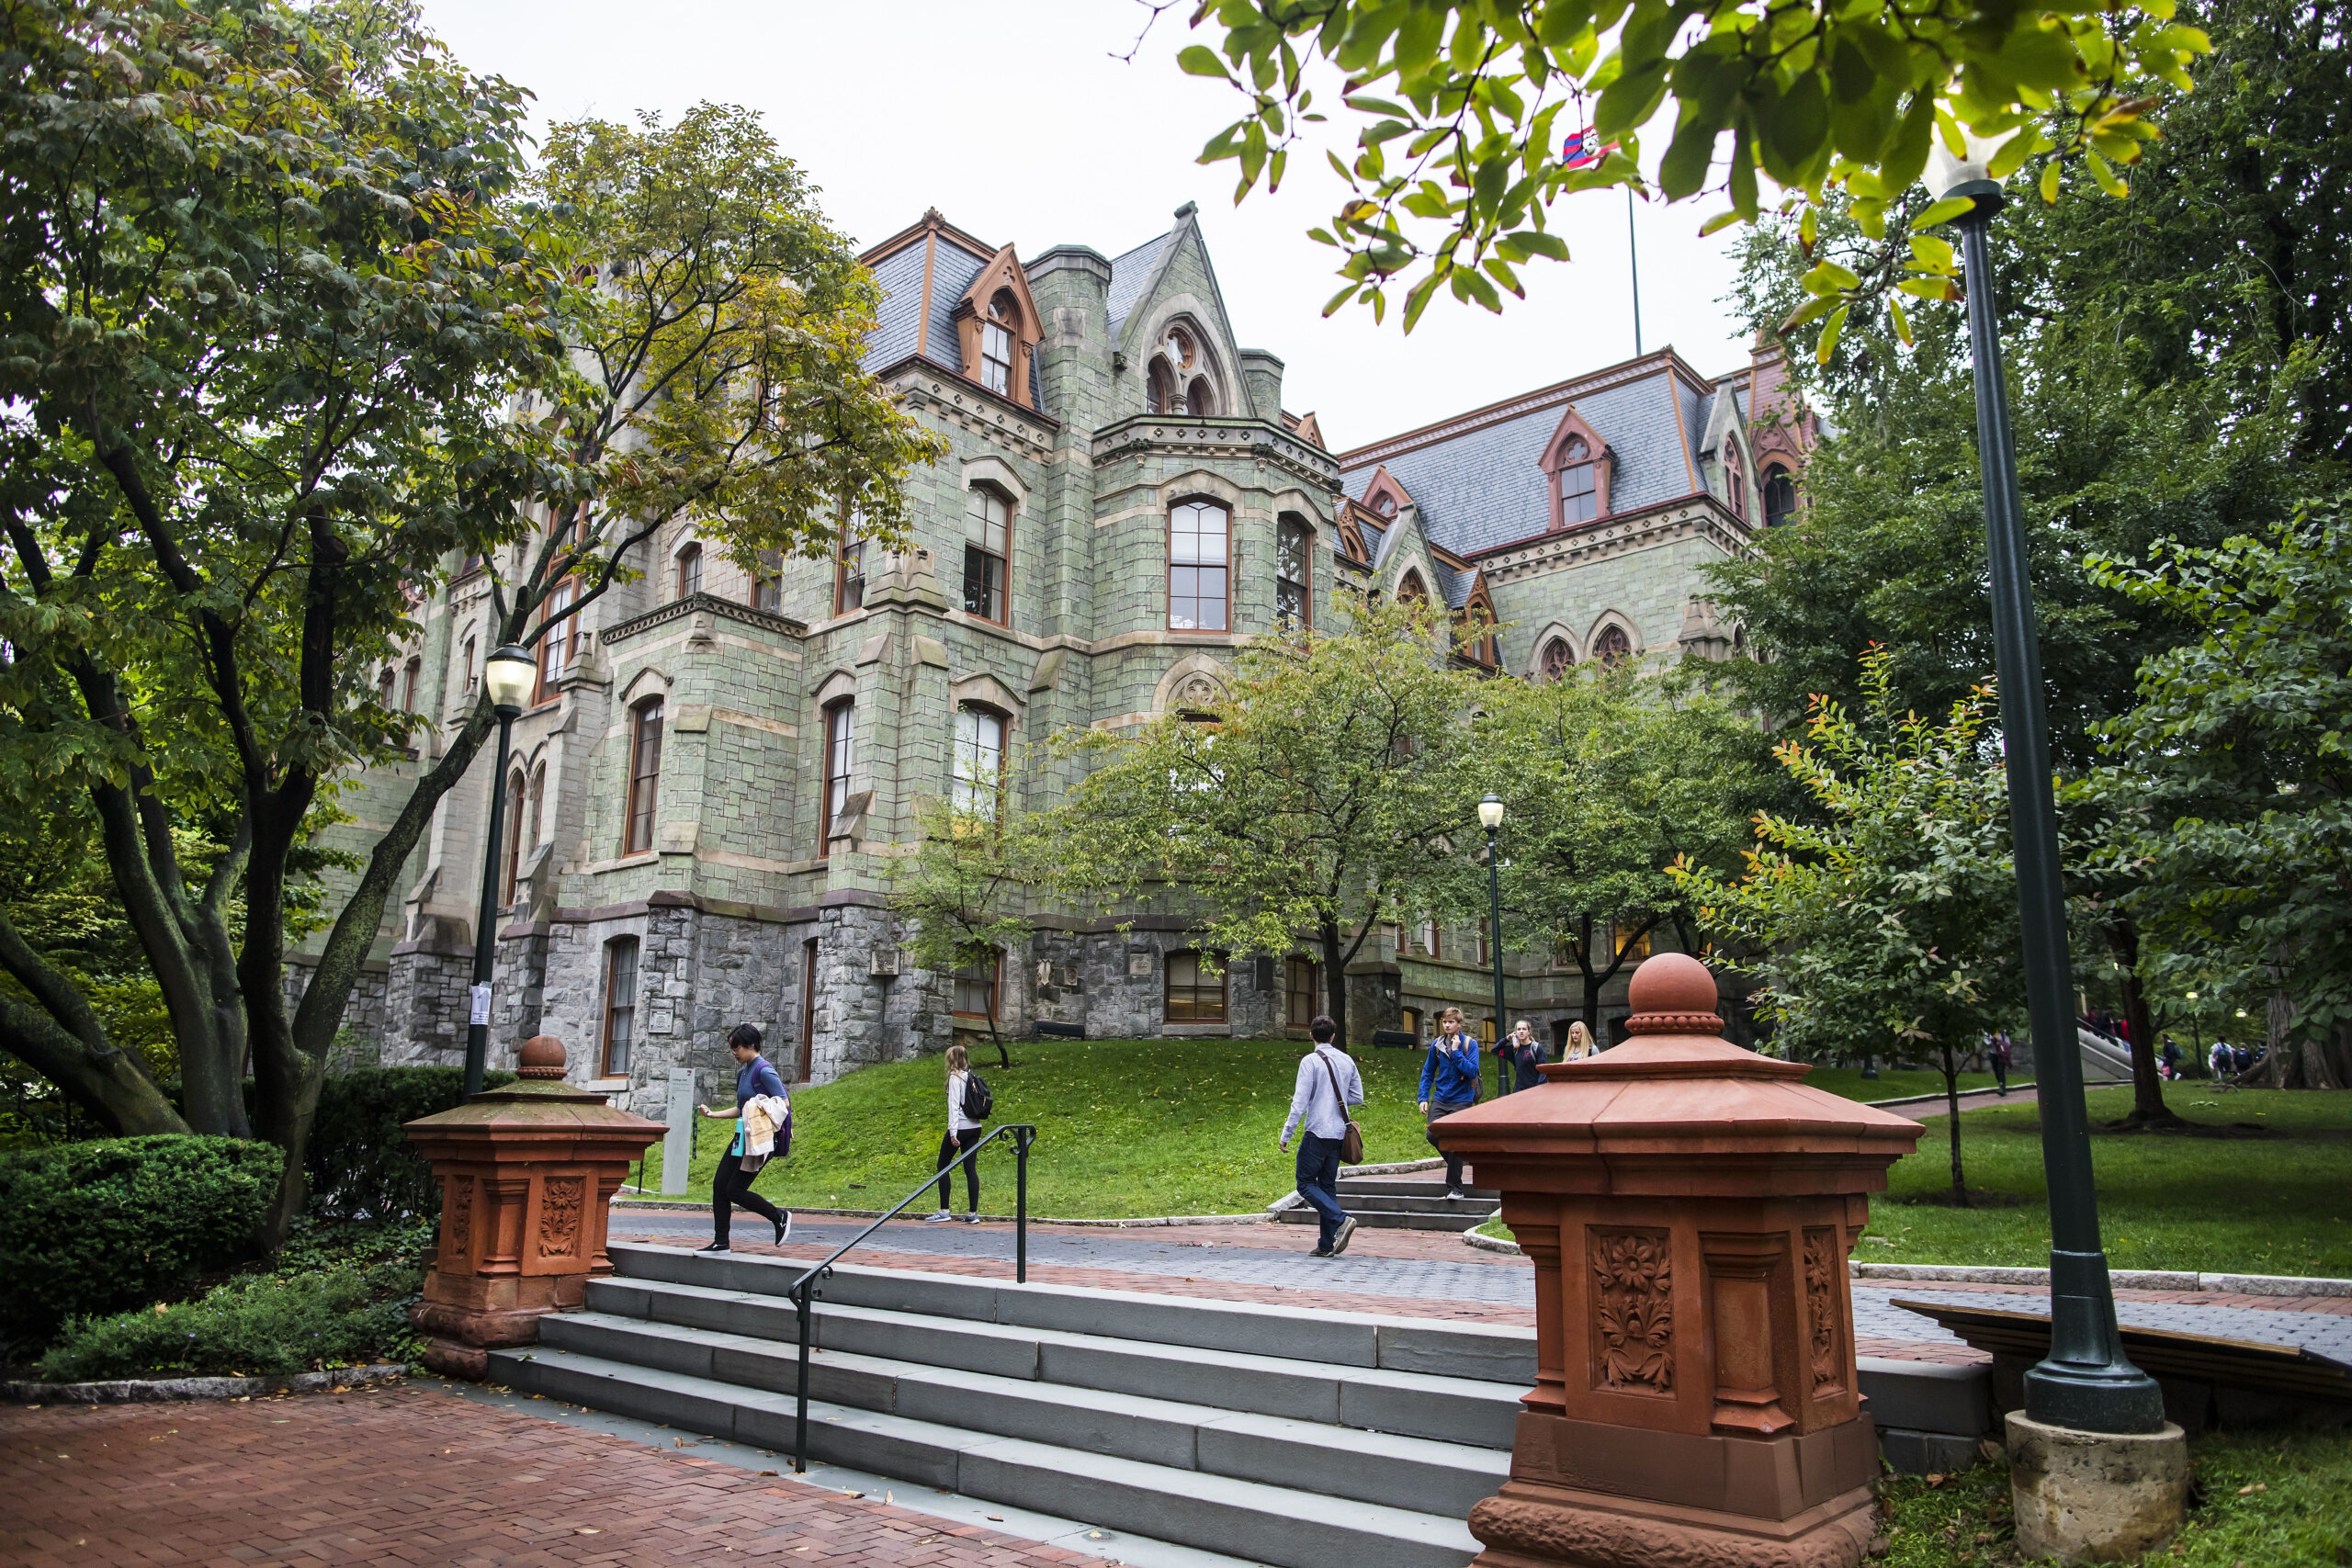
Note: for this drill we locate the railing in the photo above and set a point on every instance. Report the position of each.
(803, 1291)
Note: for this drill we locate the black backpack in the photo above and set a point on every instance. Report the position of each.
(977, 1100)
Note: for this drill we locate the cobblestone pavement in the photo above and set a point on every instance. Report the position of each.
(406, 1477)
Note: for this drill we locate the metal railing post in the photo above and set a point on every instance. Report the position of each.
(1021, 1139)
(807, 1288)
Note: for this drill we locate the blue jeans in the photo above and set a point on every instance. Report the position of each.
(1319, 1179)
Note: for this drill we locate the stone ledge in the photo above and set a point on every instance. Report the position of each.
(137, 1391)
(2123, 1279)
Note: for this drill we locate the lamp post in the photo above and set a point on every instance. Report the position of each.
(2196, 1029)
(1490, 817)
(507, 677)
(2085, 1382)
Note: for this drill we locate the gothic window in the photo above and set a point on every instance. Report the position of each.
(987, 549)
(384, 681)
(1579, 491)
(644, 775)
(996, 343)
(1194, 994)
(1412, 590)
(469, 666)
(1177, 381)
(1734, 481)
(1385, 506)
(840, 736)
(767, 583)
(1198, 542)
(689, 571)
(517, 796)
(620, 1005)
(538, 809)
(849, 569)
(1199, 401)
(1159, 388)
(411, 677)
(976, 981)
(978, 761)
(1299, 992)
(1557, 662)
(555, 648)
(1294, 555)
(1612, 646)
(1779, 496)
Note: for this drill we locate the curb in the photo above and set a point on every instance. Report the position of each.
(2123, 1279)
(1937, 1098)
(1493, 1243)
(133, 1391)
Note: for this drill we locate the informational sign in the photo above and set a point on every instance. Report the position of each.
(678, 1147)
(481, 1013)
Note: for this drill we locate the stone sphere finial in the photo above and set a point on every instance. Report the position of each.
(541, 1057)
(1673, 993)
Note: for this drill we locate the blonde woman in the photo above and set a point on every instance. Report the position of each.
(963, 1135)
(1580, 1044)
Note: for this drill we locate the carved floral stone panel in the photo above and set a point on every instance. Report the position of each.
(1824, 1263)
(559, 1208)
(1632, 1278)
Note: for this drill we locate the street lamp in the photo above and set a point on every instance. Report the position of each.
(2085, 1382)
(1490, 817)
(507, 678)
(2196, 1029)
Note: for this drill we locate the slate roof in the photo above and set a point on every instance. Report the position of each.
(899, 274)
(1483, 485)
(1129, 274)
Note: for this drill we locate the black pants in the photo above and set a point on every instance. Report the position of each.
(732, 1185)
(949, 1147)
(1452, 1162)
(2001, 1074)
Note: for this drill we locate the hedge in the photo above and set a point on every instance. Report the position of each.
(359, 1164)
(95, 1227)
(258, 1325)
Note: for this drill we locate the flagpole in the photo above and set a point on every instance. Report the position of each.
(1634, 251)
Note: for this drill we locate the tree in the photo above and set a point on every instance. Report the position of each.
(966, 892)
(1606, 785)
(1891, 921)
(1332, 786)
(277, 294)
(2232, 783)
(1465, 148)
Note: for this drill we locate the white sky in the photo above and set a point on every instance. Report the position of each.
(1016, 121)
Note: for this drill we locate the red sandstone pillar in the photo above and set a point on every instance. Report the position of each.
(528, 1175)
(1689, 1206)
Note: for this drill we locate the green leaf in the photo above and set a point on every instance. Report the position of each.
(1901, 321)
(1200, 61)
(2050, 183)
(1944, 211)
(1829, 344)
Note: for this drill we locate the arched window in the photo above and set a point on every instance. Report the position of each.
(690, 570)
(988, 548)
(538, 807)
(996, 343)
(1159, 388)
(1194, 994)
(978, 763)
(1612, 646)
(975, 981)
(1412, 590)
(555, 648)
(517, 797)
(1177, 381)
(849, 571)
(1199, 541)
(841, 740)
(410, 678)
(620, 1005)
(1385, 504)
(1734, 481)
(469, 667)
(1779, 496)
(644, 775)
(1199, 401)
(1294, 562)
(1579, 489)
(1557, 662)
(384, 680)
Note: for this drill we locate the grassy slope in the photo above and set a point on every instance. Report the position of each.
(2278, 1205)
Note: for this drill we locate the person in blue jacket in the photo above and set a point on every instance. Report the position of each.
(1449, 1083)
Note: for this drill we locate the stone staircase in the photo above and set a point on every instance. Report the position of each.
(1394, 1202)
(1276, 1435)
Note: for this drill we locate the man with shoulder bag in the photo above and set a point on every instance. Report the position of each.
(1328, 1085)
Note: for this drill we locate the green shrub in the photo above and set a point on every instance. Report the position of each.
(263, 1326)
(359, 1164)
(91, 1228)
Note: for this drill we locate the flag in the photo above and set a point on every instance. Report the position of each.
(1585, 149)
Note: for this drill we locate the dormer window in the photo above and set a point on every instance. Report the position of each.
(997, 329)
(1579, 496)
(1385, 506)
(996, 343)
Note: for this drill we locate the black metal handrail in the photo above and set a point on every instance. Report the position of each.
(803, 1291)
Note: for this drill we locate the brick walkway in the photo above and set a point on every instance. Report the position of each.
(407, 1476)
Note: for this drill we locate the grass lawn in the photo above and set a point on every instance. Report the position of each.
(1126, 1129)
(2278, 1204)
(2261, 1500)
(1894, 1083)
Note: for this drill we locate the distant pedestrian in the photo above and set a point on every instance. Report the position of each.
(762, 1118)
(1999, 1051)
(1327, 1084)
(2169, 1053)
(968, 1104)
(1449, 1083)
(1580, 1044)
(1526, 1055)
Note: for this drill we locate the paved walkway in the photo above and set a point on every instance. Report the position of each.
(404, 1475)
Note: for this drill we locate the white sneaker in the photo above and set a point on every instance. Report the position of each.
(1346, 1233)
(940, 1218)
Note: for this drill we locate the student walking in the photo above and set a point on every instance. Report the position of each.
(1580, 1044)
(1998, 1053)
(1449, 1083)
(762, 1118)
(968, 1104)
(1327, 1084)
(1525, 1056)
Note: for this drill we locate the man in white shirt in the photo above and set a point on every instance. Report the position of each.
(1327, 1084)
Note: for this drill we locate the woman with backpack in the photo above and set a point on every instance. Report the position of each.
(968, 1104)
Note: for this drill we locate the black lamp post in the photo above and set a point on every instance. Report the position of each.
(507, 678)
(2085, 1382)
(1490, 817)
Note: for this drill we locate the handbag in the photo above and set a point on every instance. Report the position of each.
(1350, 1141)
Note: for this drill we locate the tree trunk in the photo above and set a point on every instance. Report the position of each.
(2148, 1107)
(2281, 1068)
(1335, 977)
(1951, 1118)
(101, 1077)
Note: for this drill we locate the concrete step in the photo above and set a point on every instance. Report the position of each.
(1461, 1217)
(1396, 1187)
(1369, 1467)
(1478, 1351)
(1420, 1203)
(1248, 1518)
(1408, 1403)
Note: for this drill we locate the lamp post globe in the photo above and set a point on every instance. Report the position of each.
(2085, 1382)
(1490, 817)
(506, 681)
